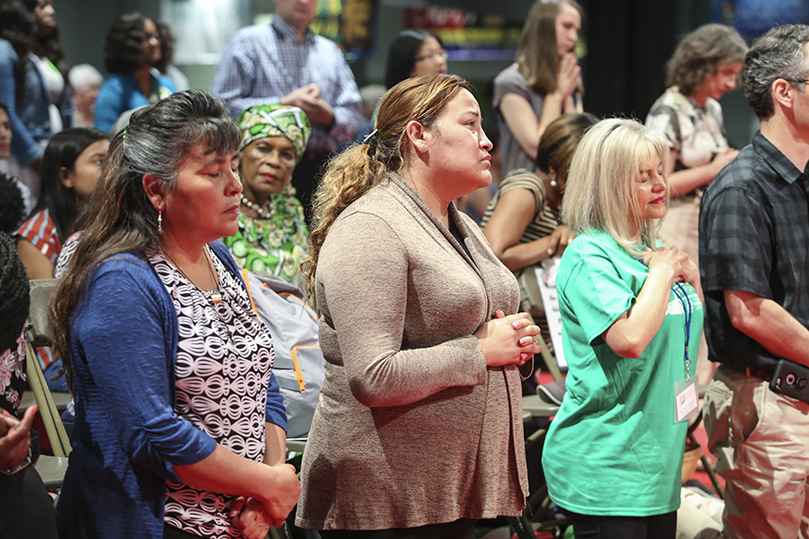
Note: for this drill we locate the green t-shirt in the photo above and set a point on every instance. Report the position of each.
(613, 448)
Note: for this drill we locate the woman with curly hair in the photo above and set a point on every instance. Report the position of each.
(131, 49)
(706, 64)
(542, 84)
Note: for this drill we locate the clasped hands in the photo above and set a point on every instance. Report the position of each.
(308, 99)
(509, 339)
(253, 517)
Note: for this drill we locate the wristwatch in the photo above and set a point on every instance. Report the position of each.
(19, 467)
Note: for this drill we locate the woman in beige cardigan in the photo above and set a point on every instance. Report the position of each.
(419, 424)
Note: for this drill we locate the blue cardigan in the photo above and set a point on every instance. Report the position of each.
(127, 437)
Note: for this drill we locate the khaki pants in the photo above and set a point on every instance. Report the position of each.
(762, 442)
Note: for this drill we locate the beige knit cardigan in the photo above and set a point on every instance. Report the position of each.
(412, 428)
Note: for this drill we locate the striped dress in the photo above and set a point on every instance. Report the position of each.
(545, 221)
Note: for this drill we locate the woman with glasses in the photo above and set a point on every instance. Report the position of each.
(414, 53)
(542, 84)
(131, 49)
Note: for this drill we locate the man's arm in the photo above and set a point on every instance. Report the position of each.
(769, 324)
(346, 103)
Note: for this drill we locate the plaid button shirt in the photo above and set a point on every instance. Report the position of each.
(754, 237)
(263, 63)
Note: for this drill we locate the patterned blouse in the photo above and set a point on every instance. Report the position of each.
(274, 246)
(224, 359)
(695, 133)
(12, 375)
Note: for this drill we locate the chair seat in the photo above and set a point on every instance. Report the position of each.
(52, 470)
(537, 407)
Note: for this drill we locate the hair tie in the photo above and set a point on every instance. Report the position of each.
(371, 139)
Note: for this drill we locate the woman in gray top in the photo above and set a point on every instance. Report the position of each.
(419, 423)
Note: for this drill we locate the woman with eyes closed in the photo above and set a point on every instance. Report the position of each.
(631, 318)
(179, 427)
(272, 232)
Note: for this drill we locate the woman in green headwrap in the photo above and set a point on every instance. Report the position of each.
(272, 231)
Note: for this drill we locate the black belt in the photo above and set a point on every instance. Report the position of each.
(765, 373)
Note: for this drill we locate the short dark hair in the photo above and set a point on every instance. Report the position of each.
(402, 55)
(123, 52)
(778, 54)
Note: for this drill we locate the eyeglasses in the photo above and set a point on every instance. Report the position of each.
(433, 57)
(797, 81)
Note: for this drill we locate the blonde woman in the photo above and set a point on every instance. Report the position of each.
(632, 318)
(419, 424)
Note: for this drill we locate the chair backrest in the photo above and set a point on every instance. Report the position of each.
(38, 333)
(38, 330)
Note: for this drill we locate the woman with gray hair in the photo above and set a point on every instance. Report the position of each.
(631, 318)
(168, 364)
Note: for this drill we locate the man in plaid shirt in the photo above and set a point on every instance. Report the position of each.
(285, 62)
(754, 264)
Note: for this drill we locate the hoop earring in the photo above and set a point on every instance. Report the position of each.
(160, 222)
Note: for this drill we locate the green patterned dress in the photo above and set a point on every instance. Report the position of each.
(274, 246)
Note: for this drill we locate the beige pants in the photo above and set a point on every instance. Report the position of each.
(762, 442)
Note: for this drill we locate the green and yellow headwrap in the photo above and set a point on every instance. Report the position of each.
(261, 121)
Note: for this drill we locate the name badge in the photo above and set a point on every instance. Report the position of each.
(686, 399)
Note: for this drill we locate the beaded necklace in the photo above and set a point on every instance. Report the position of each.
(265, 214)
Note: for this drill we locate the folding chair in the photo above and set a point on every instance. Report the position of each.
(37, 333)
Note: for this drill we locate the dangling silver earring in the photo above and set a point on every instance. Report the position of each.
(553, 180)
(160, 222)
